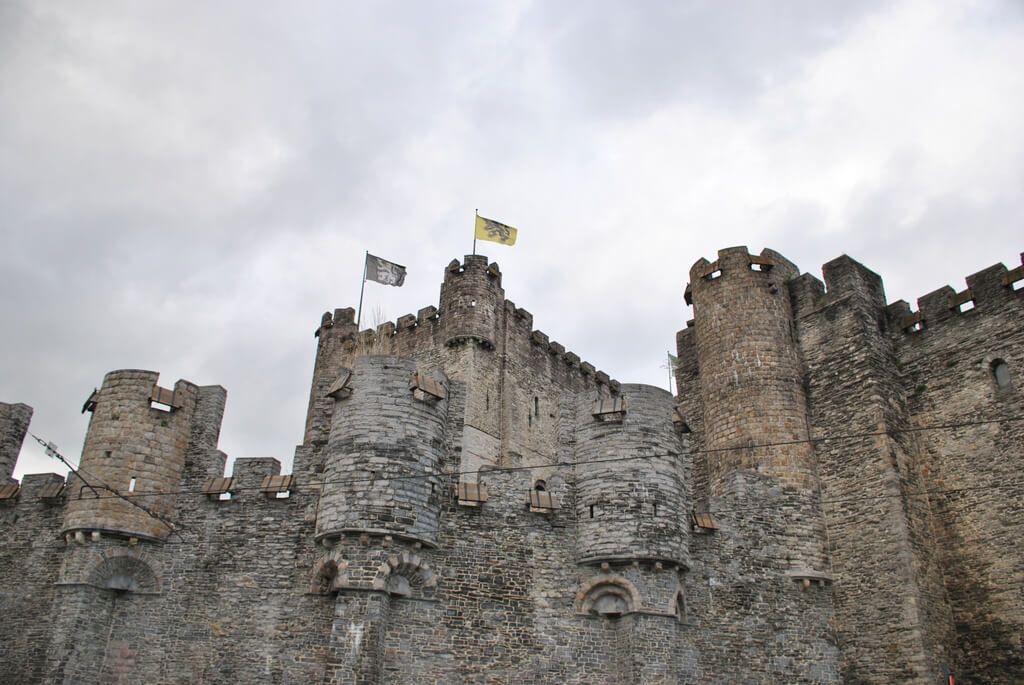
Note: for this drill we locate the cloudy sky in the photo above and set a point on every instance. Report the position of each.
(186, 187)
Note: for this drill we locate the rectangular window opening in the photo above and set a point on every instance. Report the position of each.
(283, 495)
(713, 275)
(224, 497)
(758, 267)
(966, 306)
(591, 511)
(160, 406)
(916, 327)
(1017, 285)
(131, 485)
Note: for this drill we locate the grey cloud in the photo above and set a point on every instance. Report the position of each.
(187, 188)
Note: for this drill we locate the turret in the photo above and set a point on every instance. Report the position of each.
(14, 420)
(136, 446)
(751, 379)
(472, 301)
(755, 423)
(384, 456)
(631, 504)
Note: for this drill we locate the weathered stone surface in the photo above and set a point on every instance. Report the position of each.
(851, 541)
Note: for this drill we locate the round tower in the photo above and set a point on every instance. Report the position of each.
(631, 503)
(755, 410)
(751, 376)
(384, 455)
(135, 447)
(471, 301)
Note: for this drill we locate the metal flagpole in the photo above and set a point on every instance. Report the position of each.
(477, 210)
(359, 316)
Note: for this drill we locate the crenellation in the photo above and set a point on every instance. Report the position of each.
(472, 502)
(934, 307)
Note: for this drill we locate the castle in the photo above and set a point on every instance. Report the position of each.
(834, 496)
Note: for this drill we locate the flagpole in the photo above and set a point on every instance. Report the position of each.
(359, 316)
(669, 371)
(477, 210)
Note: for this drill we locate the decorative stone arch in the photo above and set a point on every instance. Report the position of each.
(607, 595)
(124, 574)
(328, 574)
(403, 575)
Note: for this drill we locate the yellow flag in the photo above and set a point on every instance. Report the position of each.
(487, 229)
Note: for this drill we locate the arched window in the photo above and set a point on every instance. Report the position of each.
(679, 606)
(124, 574)
(1001, 372)
(608, 596)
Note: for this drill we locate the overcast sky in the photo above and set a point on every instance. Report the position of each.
(187, 187)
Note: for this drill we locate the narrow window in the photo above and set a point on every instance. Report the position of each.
(713, 275)
(131, 485)
(536, 407)
(655, 509)
(965, 306)
(1001, 372)
(680, 607)
(541, 486)
(224, 497)
(487, 401)
(591, 511)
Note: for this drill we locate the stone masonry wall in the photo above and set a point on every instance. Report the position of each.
(917, 571)
(973, 468)
(881, 541)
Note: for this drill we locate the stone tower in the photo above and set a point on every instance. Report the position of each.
(14, 420)
(136, 445)
(383, 472)
(752, 388)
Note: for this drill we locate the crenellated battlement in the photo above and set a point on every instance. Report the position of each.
(510, 327)
(738, 261)
(987, 290)
(472, 500)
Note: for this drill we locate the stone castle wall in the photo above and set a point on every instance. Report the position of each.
(472, 503)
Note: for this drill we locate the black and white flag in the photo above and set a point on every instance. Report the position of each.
(382, 271)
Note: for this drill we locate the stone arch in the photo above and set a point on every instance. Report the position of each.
(403, 575)
(328, 574)
(679, 605)
(607, 595)
(124, 574)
